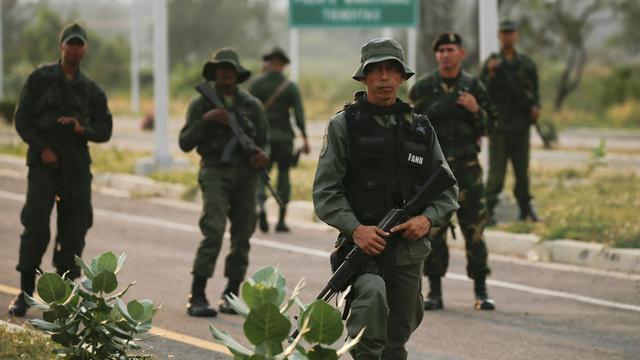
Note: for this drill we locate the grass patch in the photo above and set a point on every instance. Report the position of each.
(103, 158)
(26, 344)
(600, 207)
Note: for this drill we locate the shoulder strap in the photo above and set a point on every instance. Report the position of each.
(276, 94)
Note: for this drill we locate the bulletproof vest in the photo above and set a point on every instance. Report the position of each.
(387, 165)
(219, 136)
(454, 124)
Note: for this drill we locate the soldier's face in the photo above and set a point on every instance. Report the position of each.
(73, 50)
(508, 38)
(226, 74)
(382, 81)
(449, 56)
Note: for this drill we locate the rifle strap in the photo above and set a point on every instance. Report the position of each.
(276, 94)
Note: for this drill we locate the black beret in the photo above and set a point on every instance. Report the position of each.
(446, 38)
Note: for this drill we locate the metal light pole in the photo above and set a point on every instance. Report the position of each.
(134, 38)
(160, 82)
(488, 16)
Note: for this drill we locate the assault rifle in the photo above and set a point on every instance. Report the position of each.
(240, 138)
(439, 181)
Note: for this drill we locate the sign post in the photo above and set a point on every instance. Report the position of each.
(385, 14)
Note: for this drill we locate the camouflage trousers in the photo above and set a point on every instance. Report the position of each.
(472, 216)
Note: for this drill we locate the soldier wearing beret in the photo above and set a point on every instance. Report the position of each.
(358, 179)
(459, 108)
(60, 110)
(512, 81)
(279, 95)
(228, 184)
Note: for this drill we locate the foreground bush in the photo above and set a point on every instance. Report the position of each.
(84, 319)
(267, 326)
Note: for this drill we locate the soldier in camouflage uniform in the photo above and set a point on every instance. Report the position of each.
(512, 82)
(278, 95)
(459, 108)
(59, 112)
(228, 184)
(358, 180)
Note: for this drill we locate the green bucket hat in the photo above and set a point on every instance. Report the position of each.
(225, 55)
(378, 50)
(276, 52)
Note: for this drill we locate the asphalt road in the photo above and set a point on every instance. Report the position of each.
(544, 311)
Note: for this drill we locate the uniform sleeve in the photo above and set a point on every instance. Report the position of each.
(440, 210)
(24, 118)
(263, 138)
(100, 126)
(534, 84)
(192, 133)
(298, 110)
(329, 193)
(487, 117)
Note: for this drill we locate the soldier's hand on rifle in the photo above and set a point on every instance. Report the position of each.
(72, 121)
(260, 159)
(305, 147)
(469, 102)
(535, 113)
(370, 239)
(218, 115)
(49, 157)
(414, 229)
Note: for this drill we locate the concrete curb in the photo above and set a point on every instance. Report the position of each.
(527, 246)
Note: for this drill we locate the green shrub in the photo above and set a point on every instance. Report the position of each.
(85, 320)
(264, 306)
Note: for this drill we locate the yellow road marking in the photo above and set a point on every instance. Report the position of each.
(167, 334)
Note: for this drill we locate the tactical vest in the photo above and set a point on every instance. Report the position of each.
(218, 136)
(454, 125)
(387, 165)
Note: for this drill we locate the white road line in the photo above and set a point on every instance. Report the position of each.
(560, 294)
(324, 254)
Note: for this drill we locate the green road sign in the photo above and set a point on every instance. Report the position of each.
(353, 13)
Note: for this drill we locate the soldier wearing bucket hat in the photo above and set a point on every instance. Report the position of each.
(59, 112)
(228, 184)
(374, 154)
(279, 95)
(461, 113)
(512, 81)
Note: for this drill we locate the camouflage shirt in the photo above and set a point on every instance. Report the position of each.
(457, 128)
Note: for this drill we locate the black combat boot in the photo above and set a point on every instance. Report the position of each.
(483, 301)
(224, 306)
(262, 221)
(434, 299)
(528, 211)
(198, 304)
(282, 227)
(18, 306)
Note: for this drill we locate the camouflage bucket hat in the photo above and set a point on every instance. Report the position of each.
(225, 55)
(378, 50)
(276, 52)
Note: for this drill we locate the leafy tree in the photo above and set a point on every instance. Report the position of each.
(198, 27)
